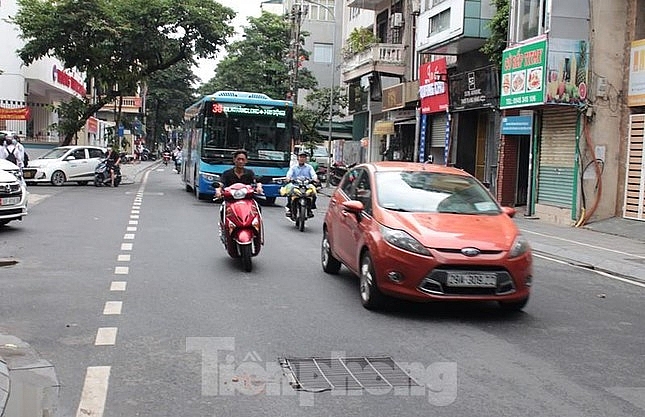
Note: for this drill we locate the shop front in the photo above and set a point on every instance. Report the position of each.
(545, 79)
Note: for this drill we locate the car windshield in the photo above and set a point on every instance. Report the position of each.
(54, 153)
(430, 192)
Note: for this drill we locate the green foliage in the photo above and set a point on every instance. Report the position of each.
(498, 25)
(170, 92)
(359, 40)
(119, 43)
(258, 62)
(317, 113)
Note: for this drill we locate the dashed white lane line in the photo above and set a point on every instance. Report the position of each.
(135, 212)
(123, 258)
(131, 228)
(121, 270)
(126, 246)
(128, 236)
(134, 216)
(94, 392)
(118, 285)
(112, 307)
(133, 222)
(105, 336)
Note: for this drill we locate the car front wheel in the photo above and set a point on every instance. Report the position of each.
(371, 297)
(58, 178)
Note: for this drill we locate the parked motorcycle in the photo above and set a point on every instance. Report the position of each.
(241, 229)
(337, 172)
(300, 197)
(102, 174)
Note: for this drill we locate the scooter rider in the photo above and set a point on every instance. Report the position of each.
(301, 170)
(237, 174)
(113, 159)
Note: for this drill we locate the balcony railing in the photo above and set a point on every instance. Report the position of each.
(130, 104)
(379, 55)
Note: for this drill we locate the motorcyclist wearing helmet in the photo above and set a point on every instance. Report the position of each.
(301, 170)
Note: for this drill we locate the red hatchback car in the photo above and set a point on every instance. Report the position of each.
(424, 232)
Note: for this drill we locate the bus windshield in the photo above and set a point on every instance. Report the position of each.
(263, 130)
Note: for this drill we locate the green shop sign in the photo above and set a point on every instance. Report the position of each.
(523, 75)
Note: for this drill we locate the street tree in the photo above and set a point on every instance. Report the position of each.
(170, 92)
(315, 115)
(118, 43)
(260, 61)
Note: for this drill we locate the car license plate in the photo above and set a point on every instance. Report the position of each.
(471, 279)
(8, 201)
(28, 174)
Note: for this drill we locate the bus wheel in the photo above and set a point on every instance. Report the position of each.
(269, 201)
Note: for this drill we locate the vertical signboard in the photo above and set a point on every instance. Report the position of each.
(636, 92)
(422, 138)
(524, 74)
(567, 68)
(433, 86)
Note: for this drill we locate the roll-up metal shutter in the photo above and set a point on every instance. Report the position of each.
(438, 131)
(634, 207)
(556, 169)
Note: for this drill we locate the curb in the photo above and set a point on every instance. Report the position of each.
(28, 383)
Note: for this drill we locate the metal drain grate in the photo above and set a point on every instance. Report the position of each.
(326, 374)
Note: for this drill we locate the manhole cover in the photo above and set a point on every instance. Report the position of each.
(326, 374)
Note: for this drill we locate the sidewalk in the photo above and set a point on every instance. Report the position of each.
(615, 245)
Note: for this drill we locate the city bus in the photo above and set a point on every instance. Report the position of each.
(222, 122)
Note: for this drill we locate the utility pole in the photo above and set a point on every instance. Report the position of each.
(297, 12)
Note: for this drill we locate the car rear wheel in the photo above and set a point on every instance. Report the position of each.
(330, 264)
(371, 297)
(58, 178)
(513, 306)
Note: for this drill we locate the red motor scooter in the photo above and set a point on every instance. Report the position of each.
(241, 229)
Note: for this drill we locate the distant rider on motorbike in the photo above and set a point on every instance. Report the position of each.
(237, 174)
(301, 170)
(113, 159)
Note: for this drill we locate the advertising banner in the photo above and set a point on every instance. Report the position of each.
(20, 113)
(433, 86)
(523, 75)
(636, 92)
(567, 71)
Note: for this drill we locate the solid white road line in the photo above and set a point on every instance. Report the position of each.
(105, 336)
(124, 258)
(603, 273)
(94, 392)
(112, 307)
(118, 286)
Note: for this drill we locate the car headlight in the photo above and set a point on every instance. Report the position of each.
(404, 241)
(208, 177)
(520, 247)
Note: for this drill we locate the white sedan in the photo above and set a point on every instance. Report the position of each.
(13, 194)
(63, 164)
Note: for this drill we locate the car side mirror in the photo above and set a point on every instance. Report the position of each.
(509, 211)
(355, 207)
(70, 158)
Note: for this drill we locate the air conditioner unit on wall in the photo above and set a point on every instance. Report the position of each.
(396, 20)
